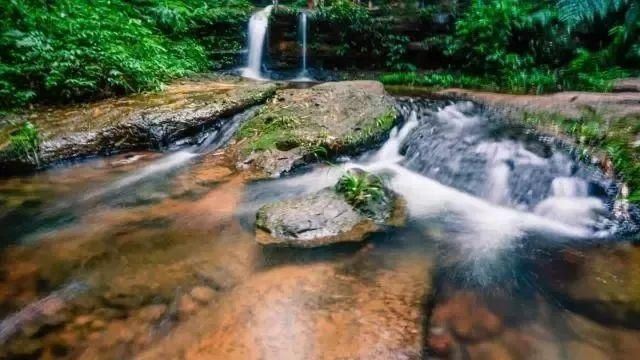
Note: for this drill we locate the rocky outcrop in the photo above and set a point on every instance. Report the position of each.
(326, 217)
(567, 104)
(627, 85)
(134, 122)
(302, 125)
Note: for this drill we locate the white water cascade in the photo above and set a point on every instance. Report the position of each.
(303, 76)
(258, 25)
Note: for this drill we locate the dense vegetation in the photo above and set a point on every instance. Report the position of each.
(64, 50)
(531, 46)
(74, 50)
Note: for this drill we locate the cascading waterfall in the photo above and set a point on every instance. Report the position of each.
(303, 76)
(258, 25)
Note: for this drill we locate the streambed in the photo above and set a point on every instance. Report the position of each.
(153, 256)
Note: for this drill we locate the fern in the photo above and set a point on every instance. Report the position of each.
(575, 12)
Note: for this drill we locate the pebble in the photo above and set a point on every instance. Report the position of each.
(152, 312)
(186, 306)
(440, 342)
(83, 320)
(202, 294)
(110, 313)
(98, 324)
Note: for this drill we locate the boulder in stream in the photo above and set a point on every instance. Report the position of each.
(326, 217)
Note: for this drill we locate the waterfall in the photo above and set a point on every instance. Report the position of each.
(302, 75)
(258, 25)
(303, 31)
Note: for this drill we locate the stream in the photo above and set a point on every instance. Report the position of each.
(514, 249)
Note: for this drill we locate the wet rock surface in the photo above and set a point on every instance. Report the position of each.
(601, 283)
(147, 121)
(318, 219)
(326, 217)
(302, 125)
(569, 104)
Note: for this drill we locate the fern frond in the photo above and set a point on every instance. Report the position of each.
(574, 12)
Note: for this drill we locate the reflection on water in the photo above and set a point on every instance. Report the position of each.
(168, 268)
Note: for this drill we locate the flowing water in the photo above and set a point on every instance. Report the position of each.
(258, 25)
(303, 75)
(152, 256)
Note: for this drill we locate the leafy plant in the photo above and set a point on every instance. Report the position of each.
(25, 143)
(360, 188)
(68, 50)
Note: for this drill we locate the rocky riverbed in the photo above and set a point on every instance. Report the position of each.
(166, 264)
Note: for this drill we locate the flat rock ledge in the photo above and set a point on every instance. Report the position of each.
(299, 126)
(322, 218)
(147, 121)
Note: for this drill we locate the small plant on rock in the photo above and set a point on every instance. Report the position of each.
(25, 143)
(360, 188)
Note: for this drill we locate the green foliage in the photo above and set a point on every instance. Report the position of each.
(527, 46)
(67, 50)
(438, 80)
(360, 189)
(593, 134)
(25, 143)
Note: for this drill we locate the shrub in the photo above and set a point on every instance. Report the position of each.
(25, 143)
(77, 49)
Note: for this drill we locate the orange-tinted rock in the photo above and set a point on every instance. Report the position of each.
(152, 312)
(202, 294)
(186, 306)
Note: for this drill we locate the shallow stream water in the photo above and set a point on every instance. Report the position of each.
(152, 256)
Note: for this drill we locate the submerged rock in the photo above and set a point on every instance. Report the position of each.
(303, 125)
(134, 122)
(602, 283)
(325, 217)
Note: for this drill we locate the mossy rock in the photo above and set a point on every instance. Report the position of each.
(143, 121)
(303, 125)
(327, 217)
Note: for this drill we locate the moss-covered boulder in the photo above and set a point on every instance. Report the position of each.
(358, 206)
(144, 121)
(302, 125)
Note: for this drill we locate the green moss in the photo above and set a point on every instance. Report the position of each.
(373, 132)
(268, 131)
(280, 130)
